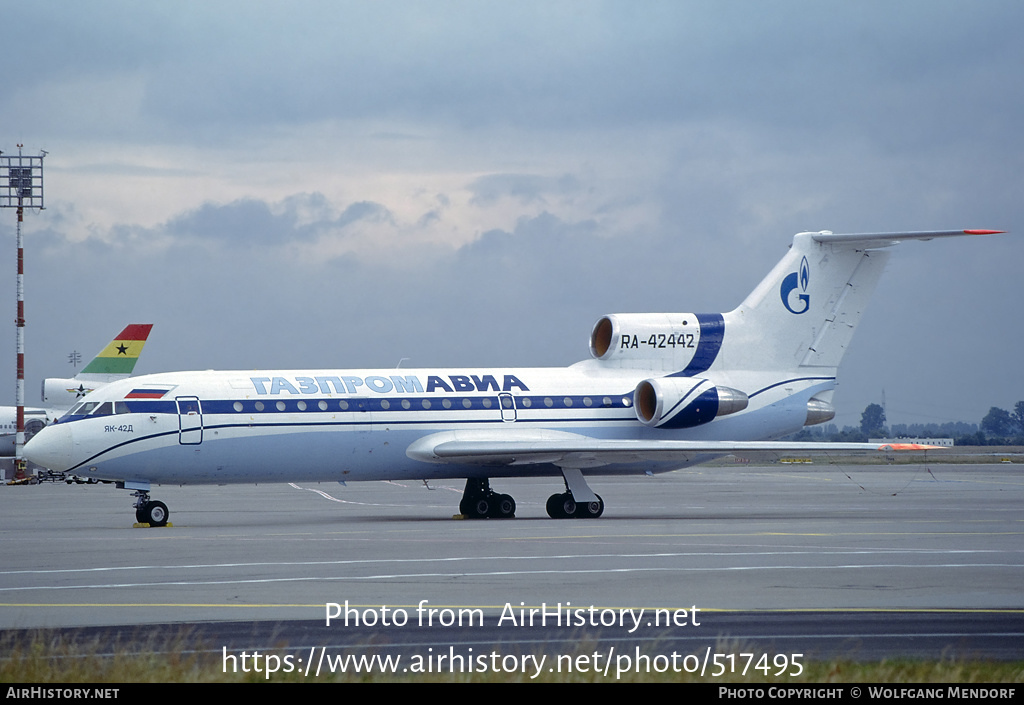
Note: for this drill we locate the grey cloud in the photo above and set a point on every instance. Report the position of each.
(211, 70)
(253, 221)
(525, 188)
(246, 220)
(362, 211)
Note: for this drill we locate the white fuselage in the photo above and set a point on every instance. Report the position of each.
(339, 425)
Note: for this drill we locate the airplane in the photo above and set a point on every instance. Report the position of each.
(115, 361)
(660, 392)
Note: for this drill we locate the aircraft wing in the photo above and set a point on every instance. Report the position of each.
(569, 450)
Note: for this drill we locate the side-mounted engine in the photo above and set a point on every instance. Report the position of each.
(682, 402)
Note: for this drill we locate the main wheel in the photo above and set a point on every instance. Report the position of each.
(155, 514)
(590, 510)
(504, 507)
(561, 506)
(552, 507)
(481, 508)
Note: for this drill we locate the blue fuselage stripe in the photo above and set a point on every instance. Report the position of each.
(315, 405)
(790, 381)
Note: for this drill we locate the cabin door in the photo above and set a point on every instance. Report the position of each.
(190, 421)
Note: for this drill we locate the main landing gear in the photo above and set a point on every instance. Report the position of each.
(578, 501)
(564, 506)
(479, 501)
(149, 511)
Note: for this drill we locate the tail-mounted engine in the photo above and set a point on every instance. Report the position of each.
(659, 341)
(65, 393)
(682, 402)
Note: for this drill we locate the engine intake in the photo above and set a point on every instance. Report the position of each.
(669, 336)
(684, 402)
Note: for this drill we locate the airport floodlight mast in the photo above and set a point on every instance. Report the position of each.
(21, 187)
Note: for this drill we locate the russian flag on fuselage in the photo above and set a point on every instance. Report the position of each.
(146, 393)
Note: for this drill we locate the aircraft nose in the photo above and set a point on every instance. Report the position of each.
(51, 447)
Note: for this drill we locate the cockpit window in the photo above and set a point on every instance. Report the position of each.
(104, 409)
(84, 408)
(120, 407)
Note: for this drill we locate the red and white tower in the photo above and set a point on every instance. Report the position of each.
(21, 186)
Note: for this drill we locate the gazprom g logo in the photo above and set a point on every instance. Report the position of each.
(793, 281)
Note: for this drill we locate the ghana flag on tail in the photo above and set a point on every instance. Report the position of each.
(120, 356)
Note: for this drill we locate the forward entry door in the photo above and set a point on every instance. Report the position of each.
(190, 421)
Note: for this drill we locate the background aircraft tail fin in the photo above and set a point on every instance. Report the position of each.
(117, 360)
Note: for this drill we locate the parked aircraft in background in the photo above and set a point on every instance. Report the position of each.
(115, 361)
(660, 392)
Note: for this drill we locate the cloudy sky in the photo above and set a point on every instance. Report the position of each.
(351, 184)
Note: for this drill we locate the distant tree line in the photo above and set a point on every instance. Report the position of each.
(999, 427)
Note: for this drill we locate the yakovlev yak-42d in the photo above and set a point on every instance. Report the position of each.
(661, 392)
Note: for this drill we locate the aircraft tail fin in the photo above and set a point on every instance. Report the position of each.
(804, 313)
(117, 360)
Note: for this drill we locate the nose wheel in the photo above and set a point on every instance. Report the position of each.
(148, 511)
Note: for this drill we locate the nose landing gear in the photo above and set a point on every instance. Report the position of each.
(149, 511)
